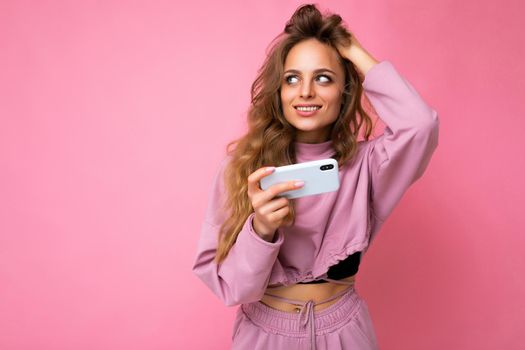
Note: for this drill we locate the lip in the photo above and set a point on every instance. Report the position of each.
(304, 113)
(307, 105)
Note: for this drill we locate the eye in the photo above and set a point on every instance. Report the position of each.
(325, 76)
(287, 79)
(328, 79)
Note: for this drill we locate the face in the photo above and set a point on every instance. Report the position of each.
(313, 76)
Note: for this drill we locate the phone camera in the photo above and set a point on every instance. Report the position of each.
(327, 167)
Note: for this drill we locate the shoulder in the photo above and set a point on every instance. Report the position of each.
(220, 168)
(223, 163)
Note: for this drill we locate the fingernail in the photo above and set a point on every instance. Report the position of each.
(270, 169)
(299, 183)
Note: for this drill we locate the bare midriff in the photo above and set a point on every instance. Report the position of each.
(305, 292)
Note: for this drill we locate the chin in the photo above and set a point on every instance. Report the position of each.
(302, 126)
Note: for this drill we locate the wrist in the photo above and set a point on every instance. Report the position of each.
(261, 231)
(363, 60)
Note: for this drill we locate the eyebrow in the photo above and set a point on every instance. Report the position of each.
(315, 71)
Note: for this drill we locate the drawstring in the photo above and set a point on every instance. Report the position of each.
(307, 309)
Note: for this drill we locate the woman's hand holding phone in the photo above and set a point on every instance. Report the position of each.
(269, 212)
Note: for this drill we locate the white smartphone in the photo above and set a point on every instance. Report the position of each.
(319, 176)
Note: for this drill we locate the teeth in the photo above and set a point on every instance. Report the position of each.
(308, 109)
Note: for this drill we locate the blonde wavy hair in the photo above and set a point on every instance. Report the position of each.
(270, 138)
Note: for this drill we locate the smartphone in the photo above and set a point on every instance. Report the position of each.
(319, 176)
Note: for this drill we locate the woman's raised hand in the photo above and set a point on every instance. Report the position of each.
(357, 54)
(269, 211)
(352, 50)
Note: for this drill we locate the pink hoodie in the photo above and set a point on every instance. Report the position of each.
(329, 226)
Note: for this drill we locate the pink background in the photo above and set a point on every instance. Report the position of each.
(116, 114)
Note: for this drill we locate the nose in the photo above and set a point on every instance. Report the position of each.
(307, 89)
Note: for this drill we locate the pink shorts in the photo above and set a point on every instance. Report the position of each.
(346, 324)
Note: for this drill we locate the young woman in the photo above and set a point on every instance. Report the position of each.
(291, 264)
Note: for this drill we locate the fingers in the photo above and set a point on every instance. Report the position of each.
(284, 187)
(263, 197)
(274, 218)
(278, 215)
(255, 177)
(269, 211)
(273, 205)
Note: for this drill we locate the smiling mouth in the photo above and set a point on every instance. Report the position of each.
(307, 108)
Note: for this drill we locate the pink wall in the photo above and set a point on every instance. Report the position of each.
(115, 115)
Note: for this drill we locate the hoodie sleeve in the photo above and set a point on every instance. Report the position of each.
(243, 275)
(400, 156)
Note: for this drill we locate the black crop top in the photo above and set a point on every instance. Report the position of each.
(343, 269)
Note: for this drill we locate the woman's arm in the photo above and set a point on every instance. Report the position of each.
(400, 156)
(243, 276)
